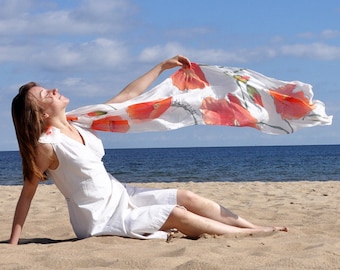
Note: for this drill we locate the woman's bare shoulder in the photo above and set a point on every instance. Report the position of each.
(46, 158)
(44, 149)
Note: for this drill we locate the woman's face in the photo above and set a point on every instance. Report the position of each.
(51, 101)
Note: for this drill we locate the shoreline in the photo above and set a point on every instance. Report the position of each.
(308, 208)
(170, 183)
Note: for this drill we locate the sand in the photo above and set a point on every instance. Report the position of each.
(310, 210)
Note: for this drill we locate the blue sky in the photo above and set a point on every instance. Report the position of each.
(90, 49)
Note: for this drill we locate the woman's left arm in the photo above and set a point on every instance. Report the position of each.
(139, 85)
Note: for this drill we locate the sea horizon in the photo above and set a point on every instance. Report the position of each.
(205, 164)
(212, 146)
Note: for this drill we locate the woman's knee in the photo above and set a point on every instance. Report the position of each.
(186, 197)
(176, 217)
(184, 221)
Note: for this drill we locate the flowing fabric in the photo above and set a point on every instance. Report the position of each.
(211, 95)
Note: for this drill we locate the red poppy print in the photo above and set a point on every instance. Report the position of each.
(226, 112)
(291, 105)
(149, 110)
(72, 118)
(188, 78)
(112, 124)
(48, 130)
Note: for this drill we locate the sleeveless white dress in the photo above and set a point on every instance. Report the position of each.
(98, 204)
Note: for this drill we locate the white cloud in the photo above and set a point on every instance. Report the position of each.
(75, 86)
(11, 7)
(188, 33)
(105, 10)
(319, 51)
(329, 33)
(91, 17)
(15, 53)
(101, 53)
(157, 52)
(207, 56)
(276, 39)
(314, 50)
(306, 35)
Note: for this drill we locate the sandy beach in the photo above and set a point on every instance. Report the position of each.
(311, 211)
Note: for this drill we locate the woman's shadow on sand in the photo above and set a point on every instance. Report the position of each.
(44, 241)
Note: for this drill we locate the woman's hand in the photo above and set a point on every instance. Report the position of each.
(175, 61)
(139, 85)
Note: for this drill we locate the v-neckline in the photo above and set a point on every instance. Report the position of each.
(81, 136)
(83, 143)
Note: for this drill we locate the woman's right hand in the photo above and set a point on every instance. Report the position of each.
(178, 60)
(139, 85)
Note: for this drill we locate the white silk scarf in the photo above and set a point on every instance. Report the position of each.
(211, 95)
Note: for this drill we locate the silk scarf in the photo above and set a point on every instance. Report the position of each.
(211, 95)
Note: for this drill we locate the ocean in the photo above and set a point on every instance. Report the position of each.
(202, 164)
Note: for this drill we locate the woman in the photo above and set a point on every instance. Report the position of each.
(98, 204)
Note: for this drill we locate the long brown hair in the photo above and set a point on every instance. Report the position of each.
(29, 125)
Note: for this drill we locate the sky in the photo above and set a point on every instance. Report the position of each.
(91, 49)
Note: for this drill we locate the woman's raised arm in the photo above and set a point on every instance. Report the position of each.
(139, 85)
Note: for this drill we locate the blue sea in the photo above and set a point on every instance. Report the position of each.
(201, 164)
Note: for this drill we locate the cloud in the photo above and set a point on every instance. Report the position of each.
(90, 33)
(328, 33)
(325, 34)
(207, 56)
(11, 7)
(307, 35)
(154, 53)
(276, 48)
(36, 18)
(102, 53)
(318, 51)
(189, 33)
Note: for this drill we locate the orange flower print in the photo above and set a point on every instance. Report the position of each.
(289, 104)
(71, 118)
(189, 78)
(228, 113)
(48, 130)
(149, 110)
(111, 123)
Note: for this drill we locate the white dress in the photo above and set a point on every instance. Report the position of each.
(98, 204)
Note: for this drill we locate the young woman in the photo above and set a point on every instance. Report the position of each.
(98, 204)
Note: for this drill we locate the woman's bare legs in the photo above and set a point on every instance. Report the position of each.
(202, 215)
